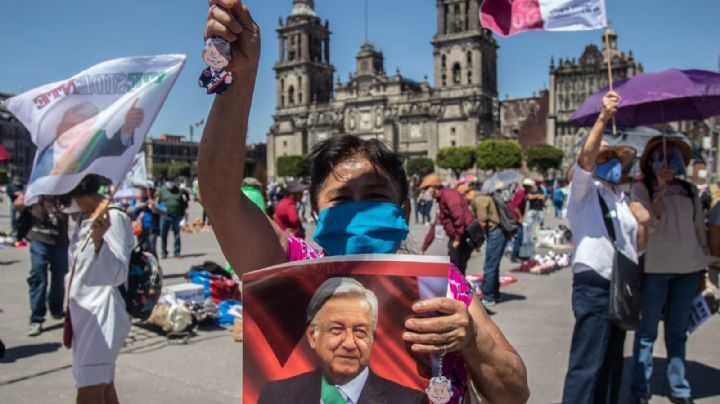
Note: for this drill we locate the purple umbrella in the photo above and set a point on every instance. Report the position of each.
(650, 98)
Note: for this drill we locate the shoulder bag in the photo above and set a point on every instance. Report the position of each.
(626, 283)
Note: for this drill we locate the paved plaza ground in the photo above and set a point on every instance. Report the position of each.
(535, 316)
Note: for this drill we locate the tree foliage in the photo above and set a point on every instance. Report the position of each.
(179, 169)
(543, 157)
(174, 170)
(293, 166)
(420, 166)
(159, 171)
(498, 154)
(456, 158)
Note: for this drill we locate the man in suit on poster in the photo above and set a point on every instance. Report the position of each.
(342, 319)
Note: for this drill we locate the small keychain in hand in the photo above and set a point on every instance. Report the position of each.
(440, 389)
(217, 56)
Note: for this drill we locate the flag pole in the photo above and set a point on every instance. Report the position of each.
(609, 69)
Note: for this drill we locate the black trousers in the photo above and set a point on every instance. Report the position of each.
(596, 355)
(460, 256)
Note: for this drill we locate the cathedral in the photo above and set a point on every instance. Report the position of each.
(414, 118)
(572, 81)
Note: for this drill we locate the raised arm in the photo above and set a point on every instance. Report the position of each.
(247, 238)
(591, 149)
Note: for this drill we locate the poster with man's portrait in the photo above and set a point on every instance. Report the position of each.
(330, 330)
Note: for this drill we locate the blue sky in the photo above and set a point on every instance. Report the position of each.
(52, 40)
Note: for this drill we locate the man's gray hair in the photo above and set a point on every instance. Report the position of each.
(341, 287)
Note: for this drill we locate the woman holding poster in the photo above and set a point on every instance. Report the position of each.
(359, 190)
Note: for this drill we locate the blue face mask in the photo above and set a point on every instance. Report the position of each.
(361, 227)
(675, 161)
(610, 171)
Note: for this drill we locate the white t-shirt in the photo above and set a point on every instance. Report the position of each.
(593, 248)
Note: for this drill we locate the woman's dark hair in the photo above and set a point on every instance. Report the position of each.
(90, 185)
(326, 155)
(649, 177)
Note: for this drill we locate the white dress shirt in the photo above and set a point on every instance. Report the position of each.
(351, 390)
(593, 248)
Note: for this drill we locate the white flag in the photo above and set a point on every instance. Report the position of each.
(137, 176)
(135, 179)
(94, 122)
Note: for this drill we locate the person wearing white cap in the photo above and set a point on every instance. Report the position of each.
(596, 353)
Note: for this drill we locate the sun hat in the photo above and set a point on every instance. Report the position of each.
(682, 145)
(626, 154)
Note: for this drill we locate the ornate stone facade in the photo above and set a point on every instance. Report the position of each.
(571, 82)
(525, 119)
(413, 117)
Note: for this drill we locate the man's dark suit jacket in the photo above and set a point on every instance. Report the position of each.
(305, 389)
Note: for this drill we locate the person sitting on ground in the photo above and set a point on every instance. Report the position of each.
(359, 188)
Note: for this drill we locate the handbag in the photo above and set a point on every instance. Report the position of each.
(625, 302)
(475, 234)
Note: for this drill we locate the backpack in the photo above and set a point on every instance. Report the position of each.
(144, 282)
(507, 223)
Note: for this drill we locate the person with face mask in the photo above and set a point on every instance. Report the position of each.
(674, 263)
(596, 354)
(359, 190)
(97, 322)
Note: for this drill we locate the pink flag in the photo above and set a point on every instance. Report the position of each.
(508, 17)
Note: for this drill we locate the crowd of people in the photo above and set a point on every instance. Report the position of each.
(362, 201)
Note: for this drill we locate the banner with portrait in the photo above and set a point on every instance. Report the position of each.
(310, 323)
(94, 122)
